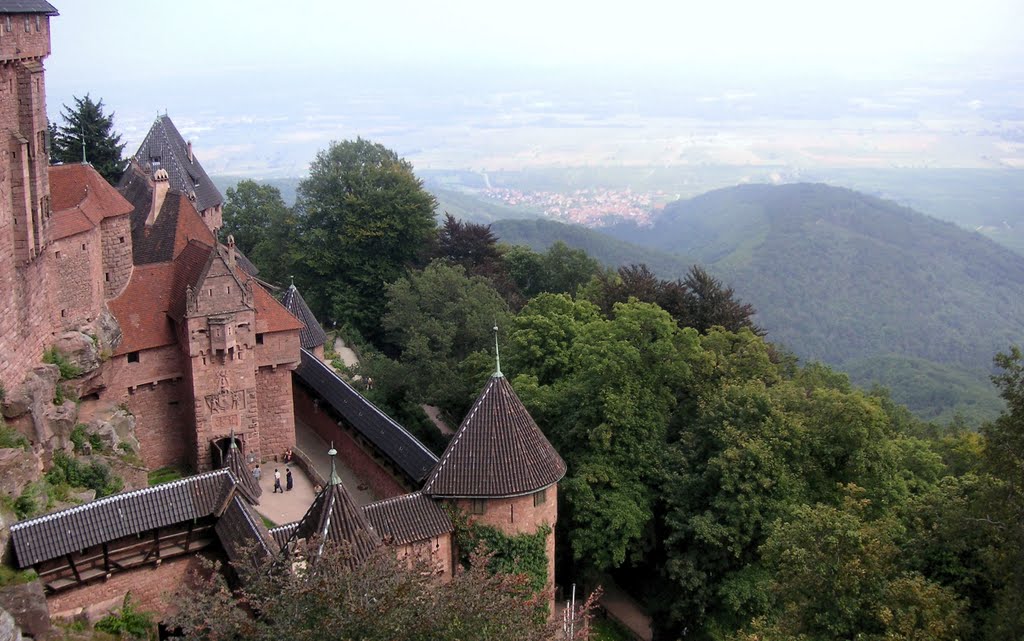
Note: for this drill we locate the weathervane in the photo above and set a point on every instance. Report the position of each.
(497, 356)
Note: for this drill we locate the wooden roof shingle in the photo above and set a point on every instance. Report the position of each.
(311, 335)
(242, 531)
(408, 518)
(498, 451)
(334, 516)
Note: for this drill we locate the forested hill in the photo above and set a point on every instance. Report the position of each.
(846, 278)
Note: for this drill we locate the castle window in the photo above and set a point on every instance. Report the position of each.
(229, 289)
(56, 255)
(120, 239)
(540, 497)
(63, 313)
(259, 339)
(9, 28)
(83, 246)
(37, 23)
(133, 357)
(478, 506)
(106, 276)
(28, 25)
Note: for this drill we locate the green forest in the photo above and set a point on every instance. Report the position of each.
(737, 491)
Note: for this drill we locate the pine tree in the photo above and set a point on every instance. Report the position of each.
(103, 147)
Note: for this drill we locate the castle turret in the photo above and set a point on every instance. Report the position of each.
(500, 469)
(312, 336)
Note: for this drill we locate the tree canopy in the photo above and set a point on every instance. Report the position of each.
(85, 121)
(264, 228)
(363, 216)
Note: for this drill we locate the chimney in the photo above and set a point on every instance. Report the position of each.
(190, 152)
(231, 251)
(161, 184)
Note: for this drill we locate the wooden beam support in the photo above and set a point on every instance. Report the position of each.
(106, 559)
(71, 564)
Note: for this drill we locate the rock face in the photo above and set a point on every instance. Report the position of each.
(80, 350)
(9, 631)
(27, 604)
(114, 427)
(106, 330)
(18, 468)
(37, 390)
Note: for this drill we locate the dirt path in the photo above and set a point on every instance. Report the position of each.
(621, 607)
(345, 352)
(434, 414)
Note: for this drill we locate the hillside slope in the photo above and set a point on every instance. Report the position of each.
(858, 282)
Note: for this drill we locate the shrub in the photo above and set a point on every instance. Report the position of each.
(10, 438)
(127, 622)
(95, 476)
(78, 438)
(68, 370)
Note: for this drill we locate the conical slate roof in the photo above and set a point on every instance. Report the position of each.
(312, 335)
(334, 516)
(498, 450)
(247, 485)
(164, 148)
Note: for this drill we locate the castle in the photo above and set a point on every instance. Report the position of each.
(215, 370)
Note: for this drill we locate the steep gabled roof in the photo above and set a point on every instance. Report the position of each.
(176, 225)
(498, 450)
(164, 148)
(247, 485)
(141, 309)
(311, 335)
(80, 199)
(334, 516)
(241, 530)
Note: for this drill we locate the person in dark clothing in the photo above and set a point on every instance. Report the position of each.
(288, 485)
(277, 482)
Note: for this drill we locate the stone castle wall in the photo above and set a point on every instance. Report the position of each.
(78, 261)
(276, 412)
(117, 255)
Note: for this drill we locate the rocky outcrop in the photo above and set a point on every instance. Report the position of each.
(9, 630)
(80, 350)
(116, 429)
(107, 332)
(33, 394)
(27, 604)
(18, 468)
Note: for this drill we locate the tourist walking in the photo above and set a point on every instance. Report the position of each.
(277, 482)
(257, 474)
(288, 485)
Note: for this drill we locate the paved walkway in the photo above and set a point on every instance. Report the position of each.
(289, 506)
(345, 353)
(622, 608)
(434, 414)
(310, 444)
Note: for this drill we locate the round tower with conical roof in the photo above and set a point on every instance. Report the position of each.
(500, 469)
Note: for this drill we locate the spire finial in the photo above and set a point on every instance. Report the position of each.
(231, 440)
(81, 126)
(335, 479)
(293, 281)
(497, 356)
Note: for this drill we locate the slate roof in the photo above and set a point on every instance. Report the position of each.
(408, 518)
(311, 335)
(27, 6)
(241, 530)
(112, 517)
(80, 199)
(187, 177)
(393, 441)
(334, 516)
(177, 223)
(498, 450)
(247, 485)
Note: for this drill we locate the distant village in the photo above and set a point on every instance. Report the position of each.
(591, 207)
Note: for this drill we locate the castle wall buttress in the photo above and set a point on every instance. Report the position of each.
(116, 243)
(78, 264)
(276, 411)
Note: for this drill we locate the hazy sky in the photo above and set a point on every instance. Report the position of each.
(262, 84)
(180, 38)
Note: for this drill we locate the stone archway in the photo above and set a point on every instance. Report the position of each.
(219, 450)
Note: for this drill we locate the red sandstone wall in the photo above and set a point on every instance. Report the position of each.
(17, 43)
(276, 412)
(518, 516)
(150, 586)
(278, 348)
(162, 422)
(117, 255)
(381, 482)
(79, 274)
(26, 317)
(437, 550)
